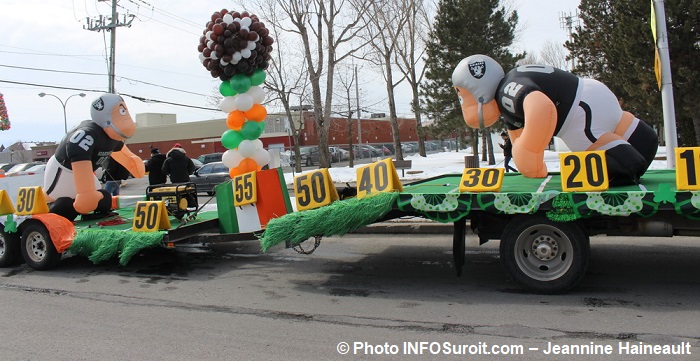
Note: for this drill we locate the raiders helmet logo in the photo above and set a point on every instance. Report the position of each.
(477, 69)
(98, 104)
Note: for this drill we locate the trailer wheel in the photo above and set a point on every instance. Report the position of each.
(37, 248)
(9, 249)
(544, 256)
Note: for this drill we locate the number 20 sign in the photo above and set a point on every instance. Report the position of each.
(584, 171)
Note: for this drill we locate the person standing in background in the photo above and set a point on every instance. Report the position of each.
(507, 147)
(178, 165)
(154, 167)
(113, 175)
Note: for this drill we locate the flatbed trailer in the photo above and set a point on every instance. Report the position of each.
(544, 232)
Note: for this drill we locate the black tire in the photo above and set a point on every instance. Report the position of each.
(309, 162)
(9, 249)
(37, 248)
(544, 256)
(210, 193)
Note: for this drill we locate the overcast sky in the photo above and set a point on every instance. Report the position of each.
(44, 48)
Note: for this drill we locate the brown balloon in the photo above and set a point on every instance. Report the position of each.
(200, 47)
(216, 15)
(267, 41)
(236, 15)
(263, 32)
(218, 29)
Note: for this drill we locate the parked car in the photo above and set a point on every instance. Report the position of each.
(6, 166)
(309, 156)
(197, 164)
(209, 176)
(37, 169)
(211, 157)
(338, 154)
(20, 167)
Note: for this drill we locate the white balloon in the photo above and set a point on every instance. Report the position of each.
(257, 93)
(228, 104)
(223, 62)
(246, 21)
(261, 156)
(213, 55)
(208, 35)
(236, 57)
(202, 57)
(247, 148)
(243, 102)
(251, 45)
(232, 158)
(228, 19)
(245, 53)
(209, 42)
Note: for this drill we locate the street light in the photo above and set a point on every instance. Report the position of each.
(65, 120)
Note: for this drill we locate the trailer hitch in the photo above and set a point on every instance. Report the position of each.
(301, 250)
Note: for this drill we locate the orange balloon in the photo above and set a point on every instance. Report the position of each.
(235, 120)
(248, 165)
(257, 113)
(234, 172)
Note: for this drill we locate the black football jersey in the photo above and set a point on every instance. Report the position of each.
(87, 141)
(560, 86)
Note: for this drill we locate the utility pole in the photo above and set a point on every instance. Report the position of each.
(567, 23)
(359, 121)
(99, 24)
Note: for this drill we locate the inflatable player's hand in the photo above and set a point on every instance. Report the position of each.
(530, 164)
(139, 169)
(86, 202)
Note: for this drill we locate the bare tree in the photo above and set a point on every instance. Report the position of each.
(385, 24)
(553, 54)
(347, 80)
(287, 79)
(326, 29)
(409, 52)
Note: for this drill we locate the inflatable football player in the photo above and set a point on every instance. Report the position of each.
(538, 102)
(69, 180)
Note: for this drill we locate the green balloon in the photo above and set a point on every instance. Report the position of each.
(251, 130)
(231, 139)
(226, 90)
(258, 77)
(240, 83)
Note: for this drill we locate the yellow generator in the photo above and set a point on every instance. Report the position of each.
(180, 198)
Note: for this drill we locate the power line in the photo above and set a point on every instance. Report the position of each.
(99, 74)
(145, 100)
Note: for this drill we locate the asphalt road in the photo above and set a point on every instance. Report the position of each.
(373, 293)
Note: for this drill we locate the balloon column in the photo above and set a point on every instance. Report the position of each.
(235, 47)
(4, 119)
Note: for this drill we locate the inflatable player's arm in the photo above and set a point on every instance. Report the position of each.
(529, 145)
(86, 195)
(130, 161)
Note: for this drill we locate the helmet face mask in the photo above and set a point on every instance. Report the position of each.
(470, 109)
